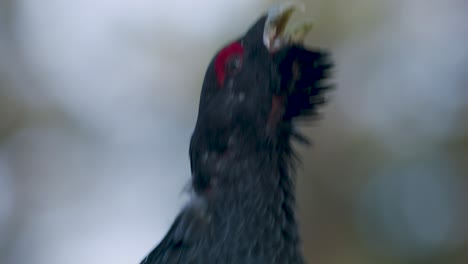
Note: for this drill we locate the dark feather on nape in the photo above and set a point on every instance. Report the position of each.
(304, 79)
(300, 138)
(304, 74)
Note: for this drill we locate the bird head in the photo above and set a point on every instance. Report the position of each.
(253, 89)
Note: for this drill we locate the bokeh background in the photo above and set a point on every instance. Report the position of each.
(98, 100)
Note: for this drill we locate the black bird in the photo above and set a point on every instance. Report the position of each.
(243, 205)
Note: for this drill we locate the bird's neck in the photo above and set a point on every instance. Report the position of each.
(260, 173)
(262, 199)
(250, 196)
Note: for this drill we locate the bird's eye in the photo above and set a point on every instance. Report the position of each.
(228, 62)
(233, 65)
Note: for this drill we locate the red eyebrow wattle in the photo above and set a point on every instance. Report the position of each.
(223, 56)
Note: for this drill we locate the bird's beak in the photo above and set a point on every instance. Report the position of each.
(275, 34)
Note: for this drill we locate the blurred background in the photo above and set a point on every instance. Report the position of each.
(98, 100)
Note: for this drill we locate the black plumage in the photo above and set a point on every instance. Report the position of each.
(243, 207)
